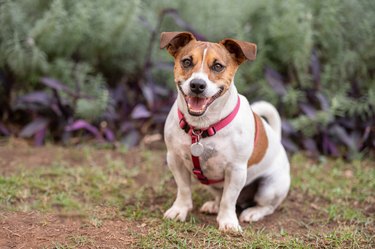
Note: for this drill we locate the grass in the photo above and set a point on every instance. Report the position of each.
(330, 204)
(188, 235)
(64, 188)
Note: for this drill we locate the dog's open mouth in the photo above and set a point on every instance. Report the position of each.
(197, 105)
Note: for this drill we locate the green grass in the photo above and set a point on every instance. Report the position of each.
(65, 188)
(79, 241)
(170, 234)
(329, 204)
(342, 187)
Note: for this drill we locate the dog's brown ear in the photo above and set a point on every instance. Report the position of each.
(240, 49)
(174, 41)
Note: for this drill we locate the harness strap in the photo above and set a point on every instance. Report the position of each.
(197, 170)
(206, 132)
(258, 151)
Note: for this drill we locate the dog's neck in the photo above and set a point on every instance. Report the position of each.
(218, 110)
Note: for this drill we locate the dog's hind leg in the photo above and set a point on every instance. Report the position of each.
(271, 192)
(267, 200)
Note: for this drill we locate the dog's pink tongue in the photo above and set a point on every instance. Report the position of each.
(197, 104)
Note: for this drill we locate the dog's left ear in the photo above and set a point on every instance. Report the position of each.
(174, 41)
(240, 49)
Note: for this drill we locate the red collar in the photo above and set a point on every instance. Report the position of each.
(202, 133)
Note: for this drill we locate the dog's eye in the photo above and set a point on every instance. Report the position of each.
(186, 63)
(217, 67)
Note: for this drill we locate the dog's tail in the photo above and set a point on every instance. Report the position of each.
(267, 110)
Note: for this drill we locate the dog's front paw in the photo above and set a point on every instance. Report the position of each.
(177, 213)
(229, 224)
(210, 207)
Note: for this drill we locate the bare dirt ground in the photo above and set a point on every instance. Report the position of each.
(36, 230)
(303, 215)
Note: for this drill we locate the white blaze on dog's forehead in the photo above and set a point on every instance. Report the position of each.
(200, 73)
(203, 58)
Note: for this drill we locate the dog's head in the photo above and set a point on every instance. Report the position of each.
(204, 71)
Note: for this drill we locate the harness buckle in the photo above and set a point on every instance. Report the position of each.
(197, 134)
(211, 131)
(197, 172)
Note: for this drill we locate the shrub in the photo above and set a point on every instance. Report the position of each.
(315, 63)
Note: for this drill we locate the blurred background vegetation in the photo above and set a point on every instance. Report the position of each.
(92, 68)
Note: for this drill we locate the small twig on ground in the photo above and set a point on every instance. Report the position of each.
(16, 234)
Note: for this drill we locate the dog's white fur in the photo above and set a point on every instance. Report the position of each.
(226, 156)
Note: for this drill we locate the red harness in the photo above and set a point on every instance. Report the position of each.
(196, 134)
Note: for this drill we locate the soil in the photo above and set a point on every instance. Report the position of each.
(36, 230)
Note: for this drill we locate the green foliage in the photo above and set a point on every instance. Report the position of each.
(89, 45)
(84, 43)
(82, 79)
(287, 34)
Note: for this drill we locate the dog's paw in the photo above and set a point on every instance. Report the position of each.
(210, 207)
(255, 213)
(230, 226)
(176, 213)
(229, 223)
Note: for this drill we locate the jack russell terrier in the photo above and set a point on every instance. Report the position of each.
(214, 134)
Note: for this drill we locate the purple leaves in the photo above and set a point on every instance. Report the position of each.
(3, 130)
(336, 136)
(329, 147)
(307, 109)
(148, 93)
(83, 125)
(35, 99)
(37, 128)
(140, 111)
(56, 85)
(275, 80)
(109, 135)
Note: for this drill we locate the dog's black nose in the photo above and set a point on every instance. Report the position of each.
(197, 86)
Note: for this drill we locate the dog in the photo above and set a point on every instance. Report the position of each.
(214, 134)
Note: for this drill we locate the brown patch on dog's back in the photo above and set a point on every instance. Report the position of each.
(261, 143)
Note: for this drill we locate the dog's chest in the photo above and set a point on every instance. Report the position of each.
(212, 161)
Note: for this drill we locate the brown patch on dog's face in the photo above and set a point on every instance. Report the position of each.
(192, 52)
(220, 66)
(212, 59)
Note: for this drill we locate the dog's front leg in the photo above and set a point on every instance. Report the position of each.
(235, 179)
(183, 203)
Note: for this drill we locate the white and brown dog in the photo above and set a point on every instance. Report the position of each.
(214, 134)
